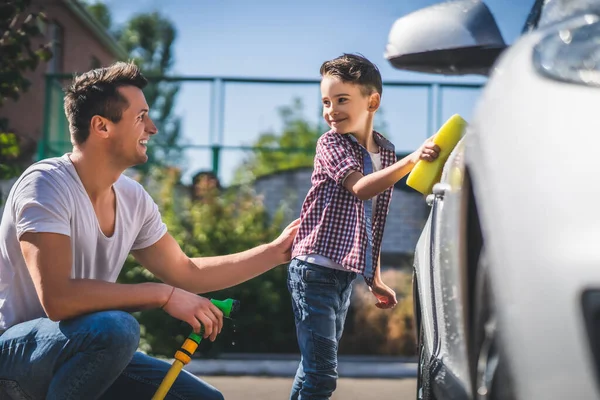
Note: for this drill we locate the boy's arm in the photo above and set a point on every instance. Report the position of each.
(366, 187)
(386, 296)
(377, 274)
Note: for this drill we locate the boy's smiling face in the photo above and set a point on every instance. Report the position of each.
(346, 108)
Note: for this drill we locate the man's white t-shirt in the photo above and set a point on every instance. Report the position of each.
(49, 197)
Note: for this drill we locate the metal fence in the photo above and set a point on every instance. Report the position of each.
(432, 101)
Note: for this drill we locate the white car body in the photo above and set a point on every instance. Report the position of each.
(525, 176)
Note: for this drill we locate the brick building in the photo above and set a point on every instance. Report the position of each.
(79, 43)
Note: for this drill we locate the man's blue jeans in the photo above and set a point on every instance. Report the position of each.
(90, 357)
(320, 300)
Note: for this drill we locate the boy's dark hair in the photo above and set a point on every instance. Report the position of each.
(354, 68)
(96, 93)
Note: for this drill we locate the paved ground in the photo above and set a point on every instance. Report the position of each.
(265, 388)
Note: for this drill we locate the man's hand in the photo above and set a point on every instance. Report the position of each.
(386, 297)
(283, 243)
(195, 310)
(428, 151)
(170, 264)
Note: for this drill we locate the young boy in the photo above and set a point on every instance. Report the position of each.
(342, 219)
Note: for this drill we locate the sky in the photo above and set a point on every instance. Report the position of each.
(291, 39)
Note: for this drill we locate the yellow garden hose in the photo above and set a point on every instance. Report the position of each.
(184, 355)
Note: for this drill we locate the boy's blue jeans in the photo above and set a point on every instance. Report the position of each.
(90, 357)
(320, 300)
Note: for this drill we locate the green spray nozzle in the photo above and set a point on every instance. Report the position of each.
(229, 307)
(183, 356)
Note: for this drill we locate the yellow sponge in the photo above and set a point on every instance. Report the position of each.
(427, 173)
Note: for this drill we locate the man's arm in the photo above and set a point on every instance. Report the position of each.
(48, 258)
(366, 187)
(166, 260)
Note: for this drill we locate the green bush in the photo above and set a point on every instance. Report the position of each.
(236, 220)
(9, 153)
(372, 331)
(223, 223)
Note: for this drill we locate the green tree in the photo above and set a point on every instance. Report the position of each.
(102, 13)
(293, 147)
(298, 136)
(9, 152)
(18, 31)
(148, 38)
(20, 52)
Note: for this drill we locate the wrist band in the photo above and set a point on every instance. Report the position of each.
(171, 295)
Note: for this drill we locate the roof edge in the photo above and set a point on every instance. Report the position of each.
(97, 29)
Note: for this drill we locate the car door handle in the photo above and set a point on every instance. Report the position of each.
(440, 189)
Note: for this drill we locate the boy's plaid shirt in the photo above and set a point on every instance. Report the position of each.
(332, 219)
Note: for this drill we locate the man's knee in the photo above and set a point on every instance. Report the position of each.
(120, 327)
(115, 330)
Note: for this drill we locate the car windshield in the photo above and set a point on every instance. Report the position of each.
(558, 10)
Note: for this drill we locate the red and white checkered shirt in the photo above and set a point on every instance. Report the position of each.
(332, 219)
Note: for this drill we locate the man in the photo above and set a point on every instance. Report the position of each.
(67, 228)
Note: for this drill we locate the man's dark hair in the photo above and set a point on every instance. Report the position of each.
(356, 69)
(96, 93)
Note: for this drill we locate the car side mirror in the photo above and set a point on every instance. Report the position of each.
(452, 38)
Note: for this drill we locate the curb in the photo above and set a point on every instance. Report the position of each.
(286, 366)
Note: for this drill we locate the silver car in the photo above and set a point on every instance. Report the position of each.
(507, 269)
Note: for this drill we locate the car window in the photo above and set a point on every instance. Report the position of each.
(557, 10)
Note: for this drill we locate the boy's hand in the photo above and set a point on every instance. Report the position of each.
(386, 297)
(428, 151)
